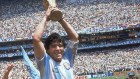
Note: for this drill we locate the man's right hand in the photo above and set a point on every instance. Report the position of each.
(48, 12)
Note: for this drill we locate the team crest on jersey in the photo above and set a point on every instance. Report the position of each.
(67, 65)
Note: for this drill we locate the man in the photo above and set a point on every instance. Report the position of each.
(54, 59)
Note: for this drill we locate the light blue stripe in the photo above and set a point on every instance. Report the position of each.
(35, 74)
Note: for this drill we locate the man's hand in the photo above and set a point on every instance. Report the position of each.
(48, 12)
(9, 68)
(55, 14)
(81, 77)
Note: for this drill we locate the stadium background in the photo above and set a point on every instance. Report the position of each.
(109, 33)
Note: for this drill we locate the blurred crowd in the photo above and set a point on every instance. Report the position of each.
(86, 62)
(19, 18)
(107, 60)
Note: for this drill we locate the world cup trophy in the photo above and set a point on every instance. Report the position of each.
(55, 14)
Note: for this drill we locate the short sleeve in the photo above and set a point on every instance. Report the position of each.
(70, 51)
(42, 59)
(42, 64)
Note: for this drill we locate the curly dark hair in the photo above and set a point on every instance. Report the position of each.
(53, 38)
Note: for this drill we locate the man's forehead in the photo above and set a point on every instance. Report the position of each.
(56, 42)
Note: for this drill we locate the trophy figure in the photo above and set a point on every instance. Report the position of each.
(55, 14)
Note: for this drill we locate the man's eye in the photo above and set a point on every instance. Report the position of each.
(52, 45)
(60, 45)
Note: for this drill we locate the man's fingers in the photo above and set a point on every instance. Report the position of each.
(10, 67)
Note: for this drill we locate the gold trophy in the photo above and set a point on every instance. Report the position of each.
(55, 14)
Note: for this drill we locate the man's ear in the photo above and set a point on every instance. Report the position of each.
(47, 51)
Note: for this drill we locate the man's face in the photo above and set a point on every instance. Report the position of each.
(56, 50)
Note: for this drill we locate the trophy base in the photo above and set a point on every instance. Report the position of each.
(56, 15)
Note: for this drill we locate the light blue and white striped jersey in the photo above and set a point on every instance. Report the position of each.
(50, 69)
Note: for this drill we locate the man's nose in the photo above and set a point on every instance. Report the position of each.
(57, 47)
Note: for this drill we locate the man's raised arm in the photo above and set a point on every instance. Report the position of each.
(37, 41)
(69, 29)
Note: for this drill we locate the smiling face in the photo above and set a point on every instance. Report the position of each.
(54, 46)
(56, 50)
